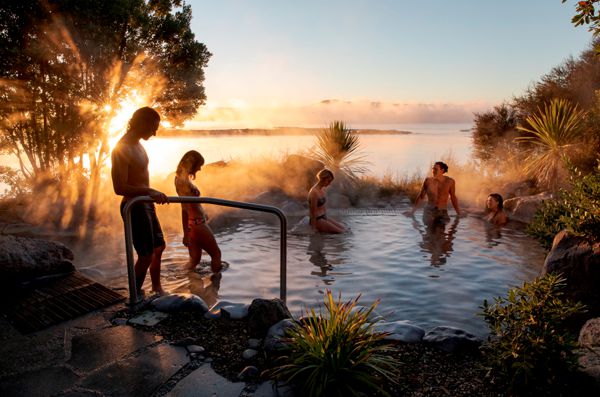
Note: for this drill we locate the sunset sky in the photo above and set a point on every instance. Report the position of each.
(384, 61)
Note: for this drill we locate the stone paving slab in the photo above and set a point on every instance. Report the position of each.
(205, 382)
(138, 376)
(44, 382)
(99, 348)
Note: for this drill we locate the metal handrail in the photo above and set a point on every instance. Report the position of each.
(133, 298)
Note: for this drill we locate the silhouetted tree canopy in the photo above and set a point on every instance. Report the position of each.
(67, 65)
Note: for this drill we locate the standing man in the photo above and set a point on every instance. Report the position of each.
(438, 188)
(130, 179)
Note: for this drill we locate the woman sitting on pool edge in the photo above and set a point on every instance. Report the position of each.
(495, 209)
(316, 204)
(196, 233)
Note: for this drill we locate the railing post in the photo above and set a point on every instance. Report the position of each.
(133, 289)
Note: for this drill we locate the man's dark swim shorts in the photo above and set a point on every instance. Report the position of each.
(147, 233)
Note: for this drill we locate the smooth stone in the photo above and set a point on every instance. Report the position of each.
(254, 343)
(138, 376)
(96, 349)
(274, 341)
(234, 311)
(148, 318)
(248, 373)
(195, 349)
(451, 339)
(205, 382)
(180, 302)
(249, 354)
(402, 331)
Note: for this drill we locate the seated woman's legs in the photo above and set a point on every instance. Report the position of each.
(325, 226)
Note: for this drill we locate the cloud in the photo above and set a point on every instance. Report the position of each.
(357, 112)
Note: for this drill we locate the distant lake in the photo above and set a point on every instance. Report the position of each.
(395, 155)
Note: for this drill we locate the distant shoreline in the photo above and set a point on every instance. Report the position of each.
(271, 131)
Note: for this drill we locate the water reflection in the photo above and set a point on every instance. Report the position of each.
(206, 286)
(438, 236)
(317, 246)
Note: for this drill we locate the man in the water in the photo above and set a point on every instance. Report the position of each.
(131, 179)
(438, 188)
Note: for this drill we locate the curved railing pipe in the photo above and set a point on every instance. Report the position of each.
(133, 296)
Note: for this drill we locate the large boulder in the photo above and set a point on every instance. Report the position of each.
(589, 339)
(23, 259)
(578, 261)
(523, 208)
(264, 313)
(451, 339)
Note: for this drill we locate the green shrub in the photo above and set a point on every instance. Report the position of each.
(576, 209)
(531, 348)
(336, 354)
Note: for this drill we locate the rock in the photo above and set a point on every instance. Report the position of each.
(579, 263)
(589, 335)
(263, 313)
(248, 372)
(254, 343)
(180, 302)
(234, 311)
(274, 341)
(402, 331)
(148, 318)
(249, 354)
(23, 259)
(523, 208)
(450, 339)
(195, 349)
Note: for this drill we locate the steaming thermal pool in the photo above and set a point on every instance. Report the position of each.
(429, 275)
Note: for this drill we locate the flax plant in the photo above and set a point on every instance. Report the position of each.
(553, 134)
(337, 353)
(338, 148)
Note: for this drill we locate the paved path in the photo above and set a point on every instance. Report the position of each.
(89, 356)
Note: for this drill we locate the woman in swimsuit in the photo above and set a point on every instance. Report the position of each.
(196, 233)
(494, 205)
(316, 203)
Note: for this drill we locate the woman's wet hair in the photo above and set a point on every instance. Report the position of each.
(190, 163)
(325, 173)
(443, 166)
(142, 117)
(499, 199)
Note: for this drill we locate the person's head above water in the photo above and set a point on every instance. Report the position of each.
(494, 202)
(325, 175)
(190, 163)
(144, 122)
(441, 166)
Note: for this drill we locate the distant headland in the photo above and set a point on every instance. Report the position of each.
(271, 131)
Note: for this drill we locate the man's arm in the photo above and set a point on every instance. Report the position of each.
(453, 197)
(420, 197)
(119, 174)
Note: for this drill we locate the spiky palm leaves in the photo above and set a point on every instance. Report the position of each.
(553, 135)
(338, 148)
